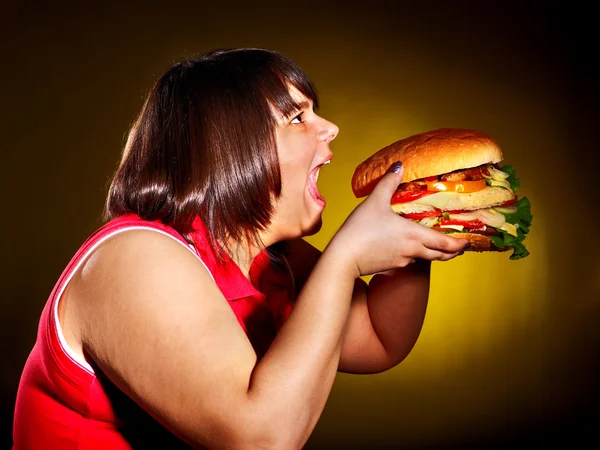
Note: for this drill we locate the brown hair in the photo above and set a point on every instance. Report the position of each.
(204, 143)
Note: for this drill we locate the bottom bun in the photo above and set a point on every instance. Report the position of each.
(479, 242)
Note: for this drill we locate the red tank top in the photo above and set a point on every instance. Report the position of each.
(62, 404)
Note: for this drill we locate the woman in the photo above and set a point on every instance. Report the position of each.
(197, 315)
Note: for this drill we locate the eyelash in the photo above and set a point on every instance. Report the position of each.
(299, 117)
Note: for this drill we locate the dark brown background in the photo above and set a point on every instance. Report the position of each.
(510, 350)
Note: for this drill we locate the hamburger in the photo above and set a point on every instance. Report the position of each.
(453, 183)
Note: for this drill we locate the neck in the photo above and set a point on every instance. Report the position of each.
(243, 254)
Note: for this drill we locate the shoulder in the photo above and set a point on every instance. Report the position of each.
(142, 281)
(137, 253)
(123, 280)
(137, 269)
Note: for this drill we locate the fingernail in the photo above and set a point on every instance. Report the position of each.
(396, 167)
(468, 244)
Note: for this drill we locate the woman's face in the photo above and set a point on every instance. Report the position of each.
(302, 147)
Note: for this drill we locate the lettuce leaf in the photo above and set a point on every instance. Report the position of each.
(514, 182)
(522, 219)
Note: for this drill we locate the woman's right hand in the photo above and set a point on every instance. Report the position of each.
(374, 238)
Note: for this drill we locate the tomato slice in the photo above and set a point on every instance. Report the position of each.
(457, 186)
(464, 223)
(510, 202)
(422, 215)
(408, 196)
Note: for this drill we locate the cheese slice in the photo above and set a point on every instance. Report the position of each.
(509, 228)
(486, 198)
(453, 227)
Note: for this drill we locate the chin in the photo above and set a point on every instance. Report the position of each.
(307, 227)
(314, 218)
(314, 228)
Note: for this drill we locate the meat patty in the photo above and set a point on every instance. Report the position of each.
(471, 174)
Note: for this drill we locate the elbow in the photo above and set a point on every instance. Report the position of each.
(275, 424)
(251, 432)
(264, 440)
(377, 360)
(399, 353)
(274, 435)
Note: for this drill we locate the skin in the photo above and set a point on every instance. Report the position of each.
(148, 313)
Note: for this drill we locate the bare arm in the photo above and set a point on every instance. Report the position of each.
(154, 321)
(386, 320)
(387, 314)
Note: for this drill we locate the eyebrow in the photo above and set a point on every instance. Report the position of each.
(304, 104)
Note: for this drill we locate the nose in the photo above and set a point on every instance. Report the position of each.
(329, 131)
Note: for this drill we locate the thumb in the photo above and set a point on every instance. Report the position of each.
(388, 184)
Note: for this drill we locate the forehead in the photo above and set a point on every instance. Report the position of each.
(301, 101)
(298, 96)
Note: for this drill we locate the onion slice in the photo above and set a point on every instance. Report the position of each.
(490, 217)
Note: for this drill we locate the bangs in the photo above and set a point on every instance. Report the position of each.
(275, 87)
(265, 74)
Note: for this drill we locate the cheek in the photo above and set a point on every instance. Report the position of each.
(293, 180)
(295, 161)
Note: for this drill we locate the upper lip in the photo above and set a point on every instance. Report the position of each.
(326, 160)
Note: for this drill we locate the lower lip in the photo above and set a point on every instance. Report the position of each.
(313, 189)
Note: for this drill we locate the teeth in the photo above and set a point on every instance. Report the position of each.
(317, 172)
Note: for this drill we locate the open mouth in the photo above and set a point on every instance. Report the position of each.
(312, 183)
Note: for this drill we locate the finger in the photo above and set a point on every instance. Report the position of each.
(435, 240)
(436, 255)
(388, 184)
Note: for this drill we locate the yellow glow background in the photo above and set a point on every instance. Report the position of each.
(509, 352)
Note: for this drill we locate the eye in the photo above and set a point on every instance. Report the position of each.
(297, 119)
